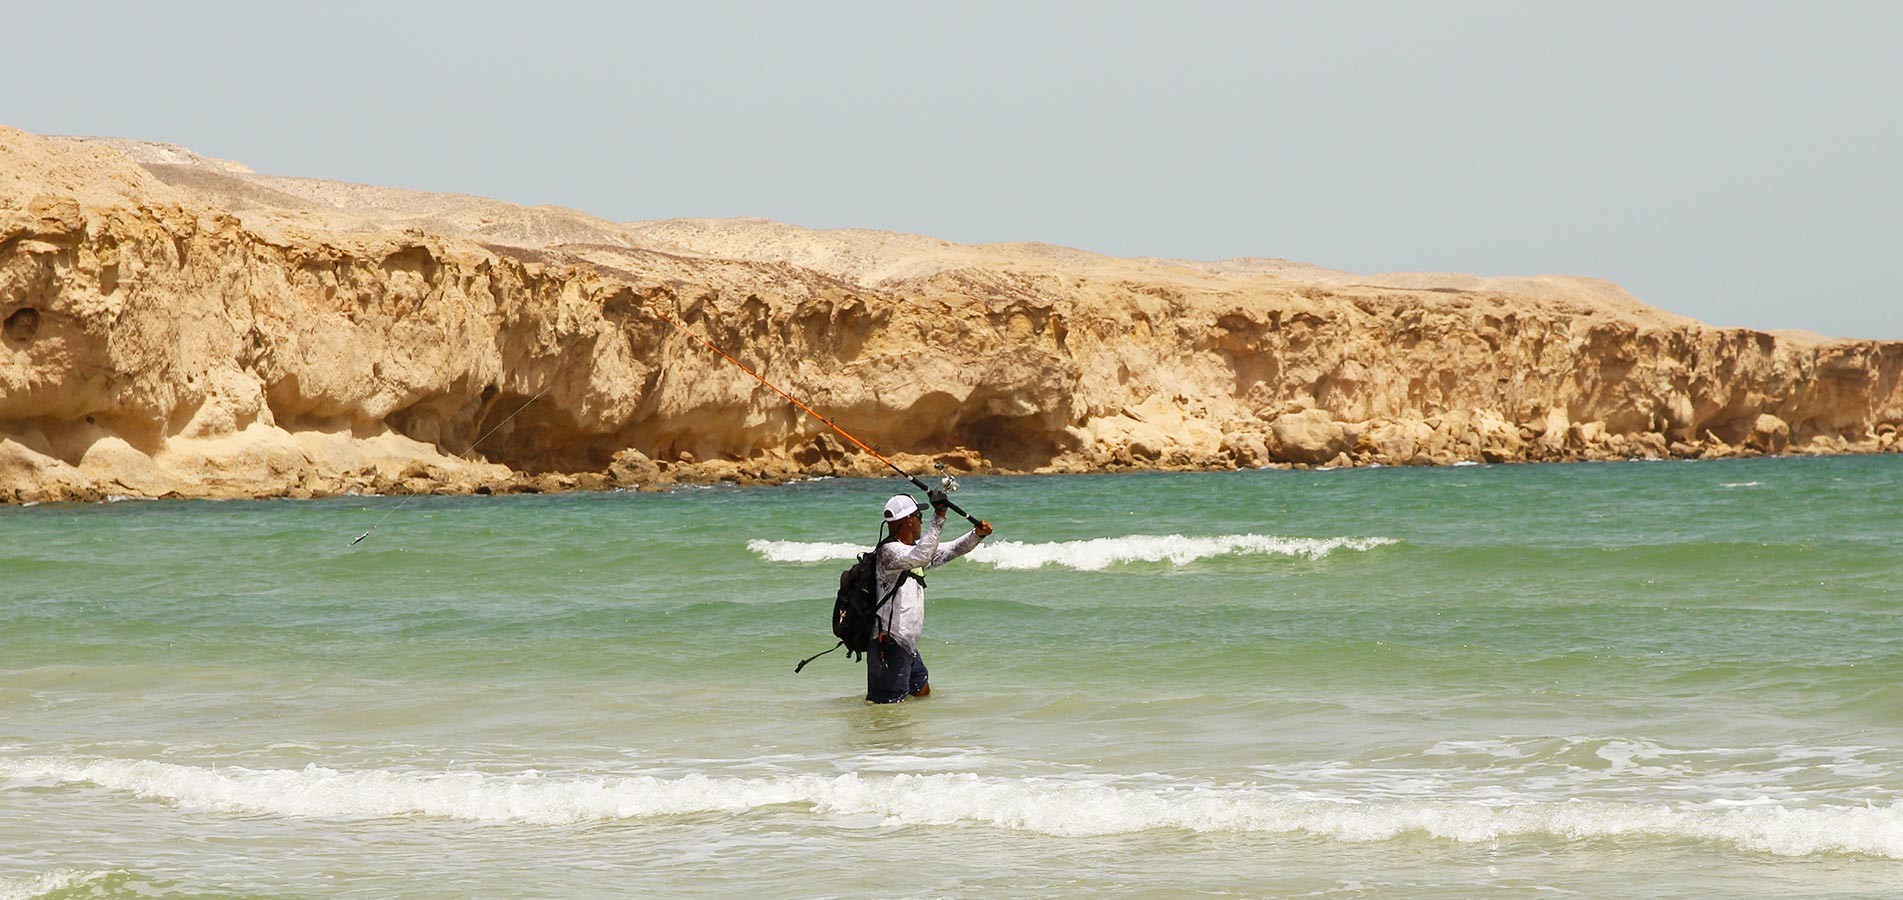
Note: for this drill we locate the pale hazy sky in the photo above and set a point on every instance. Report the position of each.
(1737, 162)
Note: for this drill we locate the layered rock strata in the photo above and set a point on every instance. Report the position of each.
(172, 325)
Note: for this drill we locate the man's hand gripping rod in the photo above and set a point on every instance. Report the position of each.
(946, 484)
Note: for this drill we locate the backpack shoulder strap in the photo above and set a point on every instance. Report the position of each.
(894, 592)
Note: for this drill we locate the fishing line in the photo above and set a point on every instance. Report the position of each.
(947, 484)
(472, 445)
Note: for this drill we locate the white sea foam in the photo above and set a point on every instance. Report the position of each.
(804, 551)
(1498, 749)
(1175, 549)
(1052, 806)
(1739, 484)
(1098, 553)
(18, 888)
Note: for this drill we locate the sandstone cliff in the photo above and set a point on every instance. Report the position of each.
(177, 325)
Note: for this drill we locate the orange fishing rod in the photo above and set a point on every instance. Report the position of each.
(950, 485)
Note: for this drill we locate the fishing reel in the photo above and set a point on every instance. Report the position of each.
(946, 482)
(942, 493)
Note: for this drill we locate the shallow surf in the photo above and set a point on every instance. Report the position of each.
(1603, 679)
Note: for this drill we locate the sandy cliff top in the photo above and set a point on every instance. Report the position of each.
(131, 171)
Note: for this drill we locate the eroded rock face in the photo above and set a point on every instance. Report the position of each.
(177, 326)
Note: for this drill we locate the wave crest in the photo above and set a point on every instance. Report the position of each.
(1066, 808)
(12, 888)
(1098, 553)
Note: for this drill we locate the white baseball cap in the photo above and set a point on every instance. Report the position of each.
(899, 507)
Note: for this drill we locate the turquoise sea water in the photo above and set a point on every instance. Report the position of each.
(1640, 679)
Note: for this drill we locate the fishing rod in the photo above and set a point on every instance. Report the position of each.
(947, 483)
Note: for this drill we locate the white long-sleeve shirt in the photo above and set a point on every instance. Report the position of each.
(903, 616)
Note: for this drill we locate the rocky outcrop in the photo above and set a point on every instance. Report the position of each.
(171, 325)
(1311, 436)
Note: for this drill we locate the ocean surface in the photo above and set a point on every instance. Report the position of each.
(1661, 679)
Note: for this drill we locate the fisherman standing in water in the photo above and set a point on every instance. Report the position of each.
(893, 667)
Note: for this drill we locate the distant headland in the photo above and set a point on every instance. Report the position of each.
(178, 326)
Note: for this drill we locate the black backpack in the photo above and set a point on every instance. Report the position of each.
(855, 618)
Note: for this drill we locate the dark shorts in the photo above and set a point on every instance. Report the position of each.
(893, 672)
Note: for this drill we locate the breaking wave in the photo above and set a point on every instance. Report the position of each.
(805, 551)
(26, 888)
(1059, 807)
(1098, 553)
